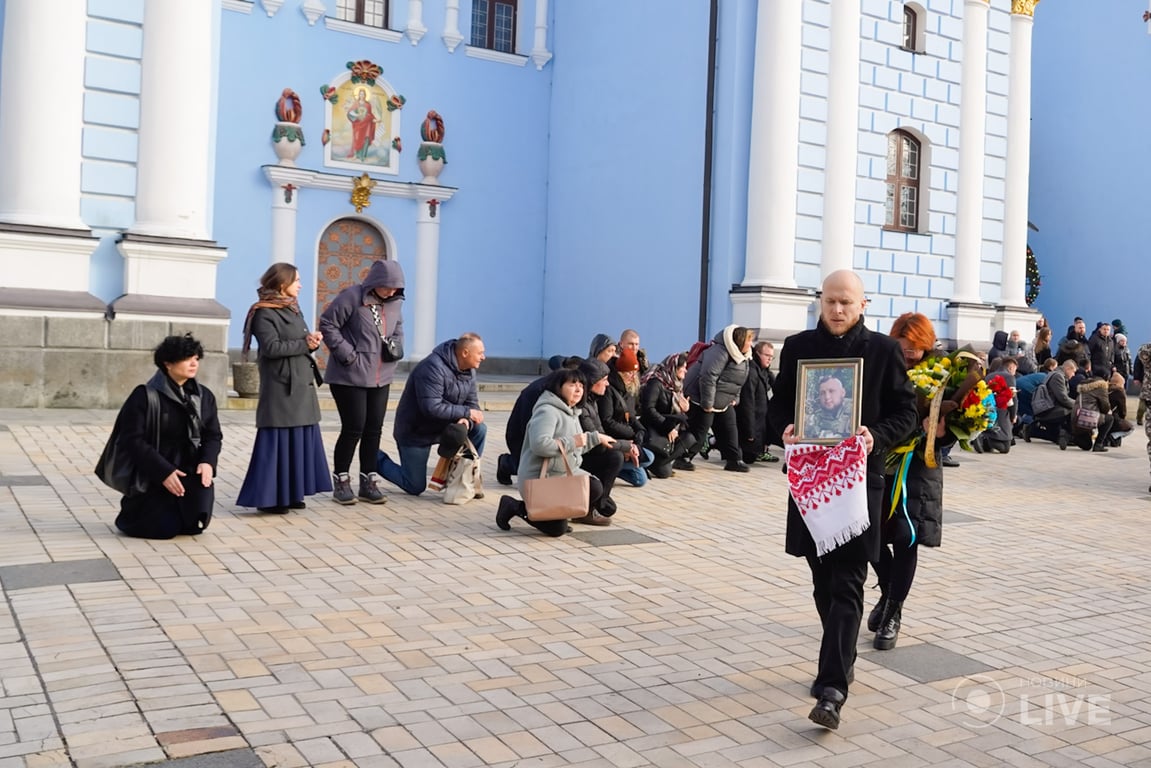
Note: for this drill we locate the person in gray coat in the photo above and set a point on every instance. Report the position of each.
(712, 385)
(359, 373)
(554, 422)
(288, 458)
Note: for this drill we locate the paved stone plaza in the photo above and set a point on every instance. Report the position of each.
(418, 634)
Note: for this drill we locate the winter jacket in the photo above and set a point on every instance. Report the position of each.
(352, 333)
(998, 346)
(656, 410)
(1093, 395)
(437, 393)
(1060, 390)
(887, 409)
(590, 421)
(1102, 352)
(158, 513)
(287, 383)
(714, 380)
(615, 416)
(552, 419)
(1123, 361)
(751, 411)
(521, 414)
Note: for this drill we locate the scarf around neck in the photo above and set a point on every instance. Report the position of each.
(266, 299)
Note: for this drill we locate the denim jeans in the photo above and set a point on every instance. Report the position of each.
(411, 473)
(636, 476)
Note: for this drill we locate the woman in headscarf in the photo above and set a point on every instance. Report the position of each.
(663, 413)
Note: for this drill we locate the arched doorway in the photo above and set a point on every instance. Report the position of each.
(346, 251)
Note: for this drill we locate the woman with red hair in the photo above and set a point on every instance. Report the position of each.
(918, 516)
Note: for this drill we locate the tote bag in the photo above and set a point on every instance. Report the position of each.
(1085, 418)
(115, 467)
(464, 480)
(557, 498)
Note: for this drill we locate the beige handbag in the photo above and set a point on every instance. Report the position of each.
(557, 498)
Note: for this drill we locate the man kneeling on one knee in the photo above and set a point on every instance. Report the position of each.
(440, 392)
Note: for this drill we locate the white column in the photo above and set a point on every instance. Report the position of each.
(842, 144)
(416, 28)
(1018, 155)
(428, 213)
(773, 165)
(540, 53)
(42, 112)
(285, 204)
(452, 36)
(174, 160)
(972, 152)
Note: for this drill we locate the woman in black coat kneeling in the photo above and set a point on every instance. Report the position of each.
(179, 470)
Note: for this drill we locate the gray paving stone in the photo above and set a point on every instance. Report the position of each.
(950, 517)
(926, 663)
(613, 538)
(11, 481)
(63, 572)
(233, 758)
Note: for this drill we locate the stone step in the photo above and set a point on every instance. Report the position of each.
(497, 393)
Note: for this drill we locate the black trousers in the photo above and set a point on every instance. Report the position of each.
(898, 559)
(603, 464)
(726, 431)
(838, 591)
(362, 411)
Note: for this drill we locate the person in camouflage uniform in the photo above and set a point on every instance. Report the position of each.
(832, 417)
(1143, 381)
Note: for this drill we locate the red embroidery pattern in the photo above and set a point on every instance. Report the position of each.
(816, 474)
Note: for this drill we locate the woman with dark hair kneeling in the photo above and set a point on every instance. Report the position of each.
(179, 470)
(554, 421)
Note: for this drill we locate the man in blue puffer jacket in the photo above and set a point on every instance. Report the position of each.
(441, 392)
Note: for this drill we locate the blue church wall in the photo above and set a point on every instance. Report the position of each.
(625, 170)
(735, 66)
(492, 235)
(1089, 164)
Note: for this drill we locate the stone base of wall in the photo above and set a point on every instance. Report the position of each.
(78, 357)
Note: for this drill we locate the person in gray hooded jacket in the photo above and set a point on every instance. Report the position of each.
(712, 386)
(355, 326)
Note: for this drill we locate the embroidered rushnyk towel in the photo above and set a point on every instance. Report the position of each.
(829, 486)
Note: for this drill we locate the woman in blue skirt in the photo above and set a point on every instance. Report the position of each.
(288, 459)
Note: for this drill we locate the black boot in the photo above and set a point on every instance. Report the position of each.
(889, 624)
(876, 614)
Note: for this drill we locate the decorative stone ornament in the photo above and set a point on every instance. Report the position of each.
(362, 192)
(288, 136)
(431, 156)
(246, 379)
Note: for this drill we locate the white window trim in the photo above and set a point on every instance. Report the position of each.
(922, 213)
(363, 30)
(239, 6)
(920, 42)
(487, 54)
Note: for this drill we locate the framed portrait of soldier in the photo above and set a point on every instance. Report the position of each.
(827, 406)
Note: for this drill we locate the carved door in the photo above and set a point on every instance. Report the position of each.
(346, 252)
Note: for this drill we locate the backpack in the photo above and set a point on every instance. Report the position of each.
(697, 350)
(1042, 399)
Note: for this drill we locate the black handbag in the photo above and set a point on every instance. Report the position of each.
(115, 468)
(392, 349)
(391, 346)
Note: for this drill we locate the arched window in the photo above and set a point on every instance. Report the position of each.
(903, 174)
(371, 13)
(914, 16)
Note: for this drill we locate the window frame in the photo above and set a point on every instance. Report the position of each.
(359, 11)
(917, 14)
(901, 180)
(489, 42)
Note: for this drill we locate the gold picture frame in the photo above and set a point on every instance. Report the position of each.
(827, 402)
